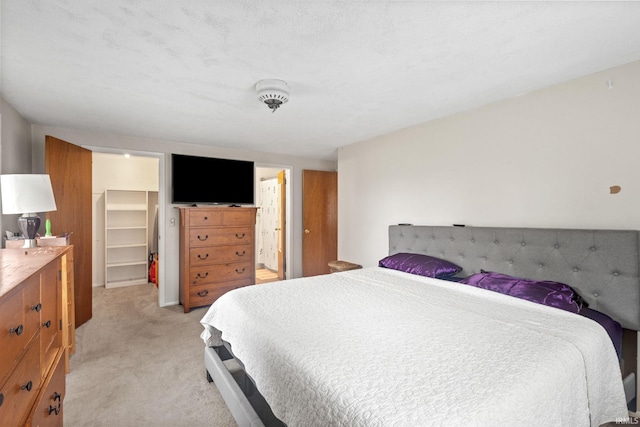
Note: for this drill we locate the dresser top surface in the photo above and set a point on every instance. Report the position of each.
(17, 265)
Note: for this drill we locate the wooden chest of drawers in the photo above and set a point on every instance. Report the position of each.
(217, 253)
(34, 335)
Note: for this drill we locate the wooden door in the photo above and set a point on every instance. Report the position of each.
(282, 225)
(69, 167)
(320, 221)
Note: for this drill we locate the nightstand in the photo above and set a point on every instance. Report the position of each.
(338, 266)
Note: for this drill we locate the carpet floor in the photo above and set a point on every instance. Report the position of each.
(137, 364)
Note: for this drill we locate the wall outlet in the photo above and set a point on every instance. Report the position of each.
(172, 222)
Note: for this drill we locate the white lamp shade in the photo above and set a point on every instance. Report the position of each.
(26, 193)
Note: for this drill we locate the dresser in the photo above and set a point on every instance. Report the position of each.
(217, 252)
(36, 334)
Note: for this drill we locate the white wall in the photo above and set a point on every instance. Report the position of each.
(168, 234)
(116, 172)
(15, 152)
(545, 159)
(15, 142)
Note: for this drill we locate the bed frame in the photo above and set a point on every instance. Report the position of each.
(603, 266)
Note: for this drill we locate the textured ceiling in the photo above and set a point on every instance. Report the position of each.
(186, 70)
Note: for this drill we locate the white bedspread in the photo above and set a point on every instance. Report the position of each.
(376, 347)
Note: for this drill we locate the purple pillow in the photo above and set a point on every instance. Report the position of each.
(545, 292)
(612, 327)
(422, 265)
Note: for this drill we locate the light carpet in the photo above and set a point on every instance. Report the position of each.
(137, 364)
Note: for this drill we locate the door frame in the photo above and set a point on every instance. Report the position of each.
(162, 301)
(282, 224)
(288, 245)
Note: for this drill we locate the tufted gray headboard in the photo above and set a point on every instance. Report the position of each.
(601, 265)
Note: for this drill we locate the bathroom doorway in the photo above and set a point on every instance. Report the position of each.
(272, 224)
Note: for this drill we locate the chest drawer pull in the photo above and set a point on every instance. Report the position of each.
(240, 271)
(54, 410)
(17, 331)
(240, 235)
(241, 254)
(206, 236)
(56, 396)
(203, 293)
(1, 399)
(28, 386)
(203, 258)
(47, 324)
(200, 276)
(37, 307)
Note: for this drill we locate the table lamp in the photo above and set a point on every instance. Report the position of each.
(27, 194)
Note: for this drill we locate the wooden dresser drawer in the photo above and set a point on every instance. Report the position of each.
(207, 255)
(238, 217)
(32, 304)
(221, 273)
(20, 390)
(207, 294)
(205, 218)
(19, 322)
(220, 236)
(48, 411)
(217, 216)
(49, 317)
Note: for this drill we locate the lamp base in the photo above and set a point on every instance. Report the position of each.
(30, 243)
(29, 223)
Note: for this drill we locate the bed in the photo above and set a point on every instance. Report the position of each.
(378, 346)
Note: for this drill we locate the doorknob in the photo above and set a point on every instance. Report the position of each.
(306, 231)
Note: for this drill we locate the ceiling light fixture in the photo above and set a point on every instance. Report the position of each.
(273, 92)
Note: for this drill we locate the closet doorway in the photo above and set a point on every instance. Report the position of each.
(272, 223)
(125, 193)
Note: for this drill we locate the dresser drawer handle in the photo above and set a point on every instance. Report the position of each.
(17, 331)
(1, 399)
(47, 324)
(241, 271)
(28, 386)
(203, 293)
(199, 276)
(201, 258)
(37, 307)
(240, 254)
(240, 235)
(206, 218)
(206, 236)
(54, 410)
(56, 396)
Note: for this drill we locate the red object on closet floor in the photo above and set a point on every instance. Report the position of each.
(153, 270)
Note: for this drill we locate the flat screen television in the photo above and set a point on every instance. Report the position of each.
(208, 180)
